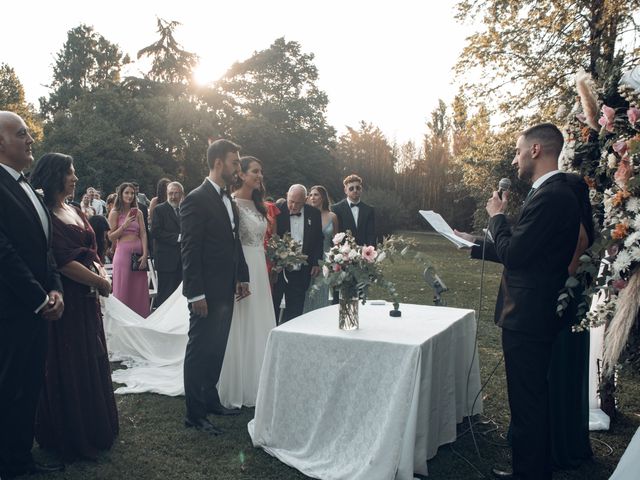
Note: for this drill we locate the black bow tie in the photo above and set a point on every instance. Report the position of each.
(225, 192)
(22, 178)
(295, 214)
(354, 205)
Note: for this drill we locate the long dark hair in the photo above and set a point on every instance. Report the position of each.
(161, 190)
(257, 195)
(119, 205)
(324, 194)
(49, 175)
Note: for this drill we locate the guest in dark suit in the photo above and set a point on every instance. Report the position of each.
(165, 230)
(535, 254)
(214, 271)
(30, 296)
(304, 223)
(355, 215)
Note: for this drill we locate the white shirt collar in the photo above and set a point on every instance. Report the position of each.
(538, 183)
(14, 173)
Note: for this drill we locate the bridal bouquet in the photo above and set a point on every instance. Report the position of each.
(285, 253)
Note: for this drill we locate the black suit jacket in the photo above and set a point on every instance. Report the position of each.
(27, 268)
(535, 254)
(212, 258)
(312, 241)
(165, 230)
(365, 231)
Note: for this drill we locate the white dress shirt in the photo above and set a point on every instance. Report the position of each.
(297, 231)
(42, 214)
(538, 183)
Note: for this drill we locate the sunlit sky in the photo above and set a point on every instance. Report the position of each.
(384, 62)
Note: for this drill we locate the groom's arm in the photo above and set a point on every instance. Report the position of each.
(192, 248)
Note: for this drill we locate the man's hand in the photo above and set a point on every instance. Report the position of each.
(467, 236)
(55, 306)
(242, 290)
(497, 205)
(199, 308)
(315, 271)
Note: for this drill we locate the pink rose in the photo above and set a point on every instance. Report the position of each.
(608, 117)
(620, 147)
(369, 253)
(619, 284)
(338, 238)
(336, 268)
(582, 117)
(624, 172)
(633, 113)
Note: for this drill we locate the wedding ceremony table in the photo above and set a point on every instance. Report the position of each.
(373, 403)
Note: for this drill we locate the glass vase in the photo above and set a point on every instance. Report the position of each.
(348, 316)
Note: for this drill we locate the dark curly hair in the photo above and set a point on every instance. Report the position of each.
(49, 175)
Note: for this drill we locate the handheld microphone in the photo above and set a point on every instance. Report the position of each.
(503, 186)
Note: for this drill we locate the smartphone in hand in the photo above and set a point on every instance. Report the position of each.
(133, 212)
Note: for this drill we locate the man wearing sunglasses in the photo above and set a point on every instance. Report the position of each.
(355, 215)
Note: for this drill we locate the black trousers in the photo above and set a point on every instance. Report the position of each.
(203, 359)
(23, 350)
(527, 365)
(294, 289)
(168, 282)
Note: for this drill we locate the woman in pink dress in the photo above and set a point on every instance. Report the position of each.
(128, 233)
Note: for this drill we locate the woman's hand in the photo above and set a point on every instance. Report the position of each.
(143, 263)
(104, 287)
(127, 221)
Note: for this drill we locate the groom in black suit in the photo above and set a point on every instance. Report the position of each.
(304, 223)
(30, 296)
(214, 271)
(536, 253)
(355, 215)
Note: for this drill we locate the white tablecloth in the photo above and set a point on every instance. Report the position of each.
(374, 403)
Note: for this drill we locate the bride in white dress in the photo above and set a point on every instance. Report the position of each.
(153, 348)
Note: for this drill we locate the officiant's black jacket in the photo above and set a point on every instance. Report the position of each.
(27, 268)
(535, 254)
(212, 258)
(365, 232)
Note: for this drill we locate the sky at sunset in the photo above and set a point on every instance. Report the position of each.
(387, 63)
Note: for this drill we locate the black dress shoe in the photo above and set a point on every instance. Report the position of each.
(503, 473)
(202, 425)
(220, 410)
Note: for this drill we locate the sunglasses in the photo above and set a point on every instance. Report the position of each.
(355, 187)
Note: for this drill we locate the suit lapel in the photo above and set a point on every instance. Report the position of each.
(306, 235)
(24, 202)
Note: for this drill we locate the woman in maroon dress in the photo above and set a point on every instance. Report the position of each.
(77, 413)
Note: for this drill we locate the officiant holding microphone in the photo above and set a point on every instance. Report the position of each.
(535, 253)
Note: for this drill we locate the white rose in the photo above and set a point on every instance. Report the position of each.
(353, 254)
(612, 161)
(338, 258)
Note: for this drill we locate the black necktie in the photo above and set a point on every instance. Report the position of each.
(177, 210)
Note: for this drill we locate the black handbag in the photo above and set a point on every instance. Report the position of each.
(135, 263)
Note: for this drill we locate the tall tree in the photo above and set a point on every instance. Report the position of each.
(170, 62)
(12, 98)
(87, 61)
(274, 108)
(529, 50)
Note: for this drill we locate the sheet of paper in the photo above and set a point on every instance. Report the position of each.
(440, 225)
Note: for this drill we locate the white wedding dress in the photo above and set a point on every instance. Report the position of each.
(153, 348)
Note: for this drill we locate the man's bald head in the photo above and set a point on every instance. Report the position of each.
(15, 141)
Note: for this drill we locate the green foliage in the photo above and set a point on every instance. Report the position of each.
(12, 99)
(170, 63)
(528, 51)
(86, 62)
(391, 212)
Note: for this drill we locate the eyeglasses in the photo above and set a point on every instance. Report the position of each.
(355, 187)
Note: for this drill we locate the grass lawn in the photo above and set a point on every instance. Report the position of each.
(153, 444)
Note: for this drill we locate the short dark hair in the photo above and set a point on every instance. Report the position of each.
(547, 134)
(49, 174)
(219, 149)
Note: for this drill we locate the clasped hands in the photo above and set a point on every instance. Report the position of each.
(55, 306)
